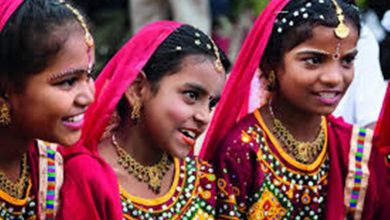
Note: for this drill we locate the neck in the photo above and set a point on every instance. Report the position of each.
(13, 145)
(138, 144)
(12, 148)
(303, 125)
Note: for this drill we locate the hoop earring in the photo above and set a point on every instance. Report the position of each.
(271, 80)
(136, 112)
(5, 116)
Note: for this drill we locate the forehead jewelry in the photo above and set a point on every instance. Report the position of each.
(87, 36)
(336, 54)
(218, 63)
(342, 30)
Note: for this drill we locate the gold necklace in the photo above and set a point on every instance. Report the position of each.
(16, 189)
(302, 151)
(152, 175)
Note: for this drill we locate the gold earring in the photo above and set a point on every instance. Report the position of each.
(5, 116)
(136, 112)
(271, 80)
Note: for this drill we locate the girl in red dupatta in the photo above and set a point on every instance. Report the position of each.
(289, 158)
(46, 53)
(153, 100)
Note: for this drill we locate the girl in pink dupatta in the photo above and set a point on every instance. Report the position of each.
(46, 55)
(153, 100)
(290, 159)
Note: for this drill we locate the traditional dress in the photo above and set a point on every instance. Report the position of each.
(268, 183)
(344, 182)
(45, 171)
(41, 197)
(91, 189)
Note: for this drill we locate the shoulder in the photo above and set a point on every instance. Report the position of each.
(243, 136)
(83, 167)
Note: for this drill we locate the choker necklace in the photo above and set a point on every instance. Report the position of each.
(302, 151)
(152, 175)
(16, 189)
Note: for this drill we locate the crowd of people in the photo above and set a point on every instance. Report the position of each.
(296, 126)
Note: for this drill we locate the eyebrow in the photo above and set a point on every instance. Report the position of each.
(72, 71)
(324, 52)
(196, 87)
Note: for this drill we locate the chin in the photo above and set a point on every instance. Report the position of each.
(69, 141)
(181, 153)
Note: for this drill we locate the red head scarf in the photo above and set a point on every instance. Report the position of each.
(234, 102)
(119, 73)
(7, 8)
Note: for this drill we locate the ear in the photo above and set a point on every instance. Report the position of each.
(138, 90)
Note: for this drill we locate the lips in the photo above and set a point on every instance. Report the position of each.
(329, 97)
(189, 136)
(74, 122)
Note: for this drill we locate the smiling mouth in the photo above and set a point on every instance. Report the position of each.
(74, 119)
(328, 95)
(189, 136)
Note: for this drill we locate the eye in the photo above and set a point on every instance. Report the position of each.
(191, 96)
(314, 60)
(67, 83)
(213, 103)
(348, 61)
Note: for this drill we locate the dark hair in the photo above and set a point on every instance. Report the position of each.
(167, 59)
(293, 27)
(32, 37)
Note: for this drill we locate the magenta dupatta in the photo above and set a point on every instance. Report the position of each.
(119, 74)
(234, 101)
(7, 8)
(94, 193)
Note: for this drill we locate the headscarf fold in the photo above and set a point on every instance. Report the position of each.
(7, 8)
(118, 75)
(234, 103)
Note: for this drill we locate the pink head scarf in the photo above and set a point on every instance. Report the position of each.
(234, 103)
(118, 74)
(7, 8)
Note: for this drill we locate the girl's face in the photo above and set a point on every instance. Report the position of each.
(52, 104)
(180, 110)
(317, 72)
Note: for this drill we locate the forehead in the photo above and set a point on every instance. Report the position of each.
(198, 69)
(325, 38)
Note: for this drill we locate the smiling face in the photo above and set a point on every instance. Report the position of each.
(52, 103)
(180, 110)
(317, 72)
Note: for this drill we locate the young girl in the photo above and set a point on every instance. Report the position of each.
(158, 91)
(289, 159)
(46, 55)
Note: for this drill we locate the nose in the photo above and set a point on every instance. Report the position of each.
(202, 116)
(333, 75)
(86, 94)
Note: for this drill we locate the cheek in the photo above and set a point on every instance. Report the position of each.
(348, 77)
(179, 111)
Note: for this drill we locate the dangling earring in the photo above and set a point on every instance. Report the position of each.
(136, 112)
(5, 116)
(271, 80)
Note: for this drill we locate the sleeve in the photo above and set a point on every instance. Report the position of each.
(237, 171)
(380, 185)
(89, 191)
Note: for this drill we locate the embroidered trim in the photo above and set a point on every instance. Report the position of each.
(358, 173)
(50, 179)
